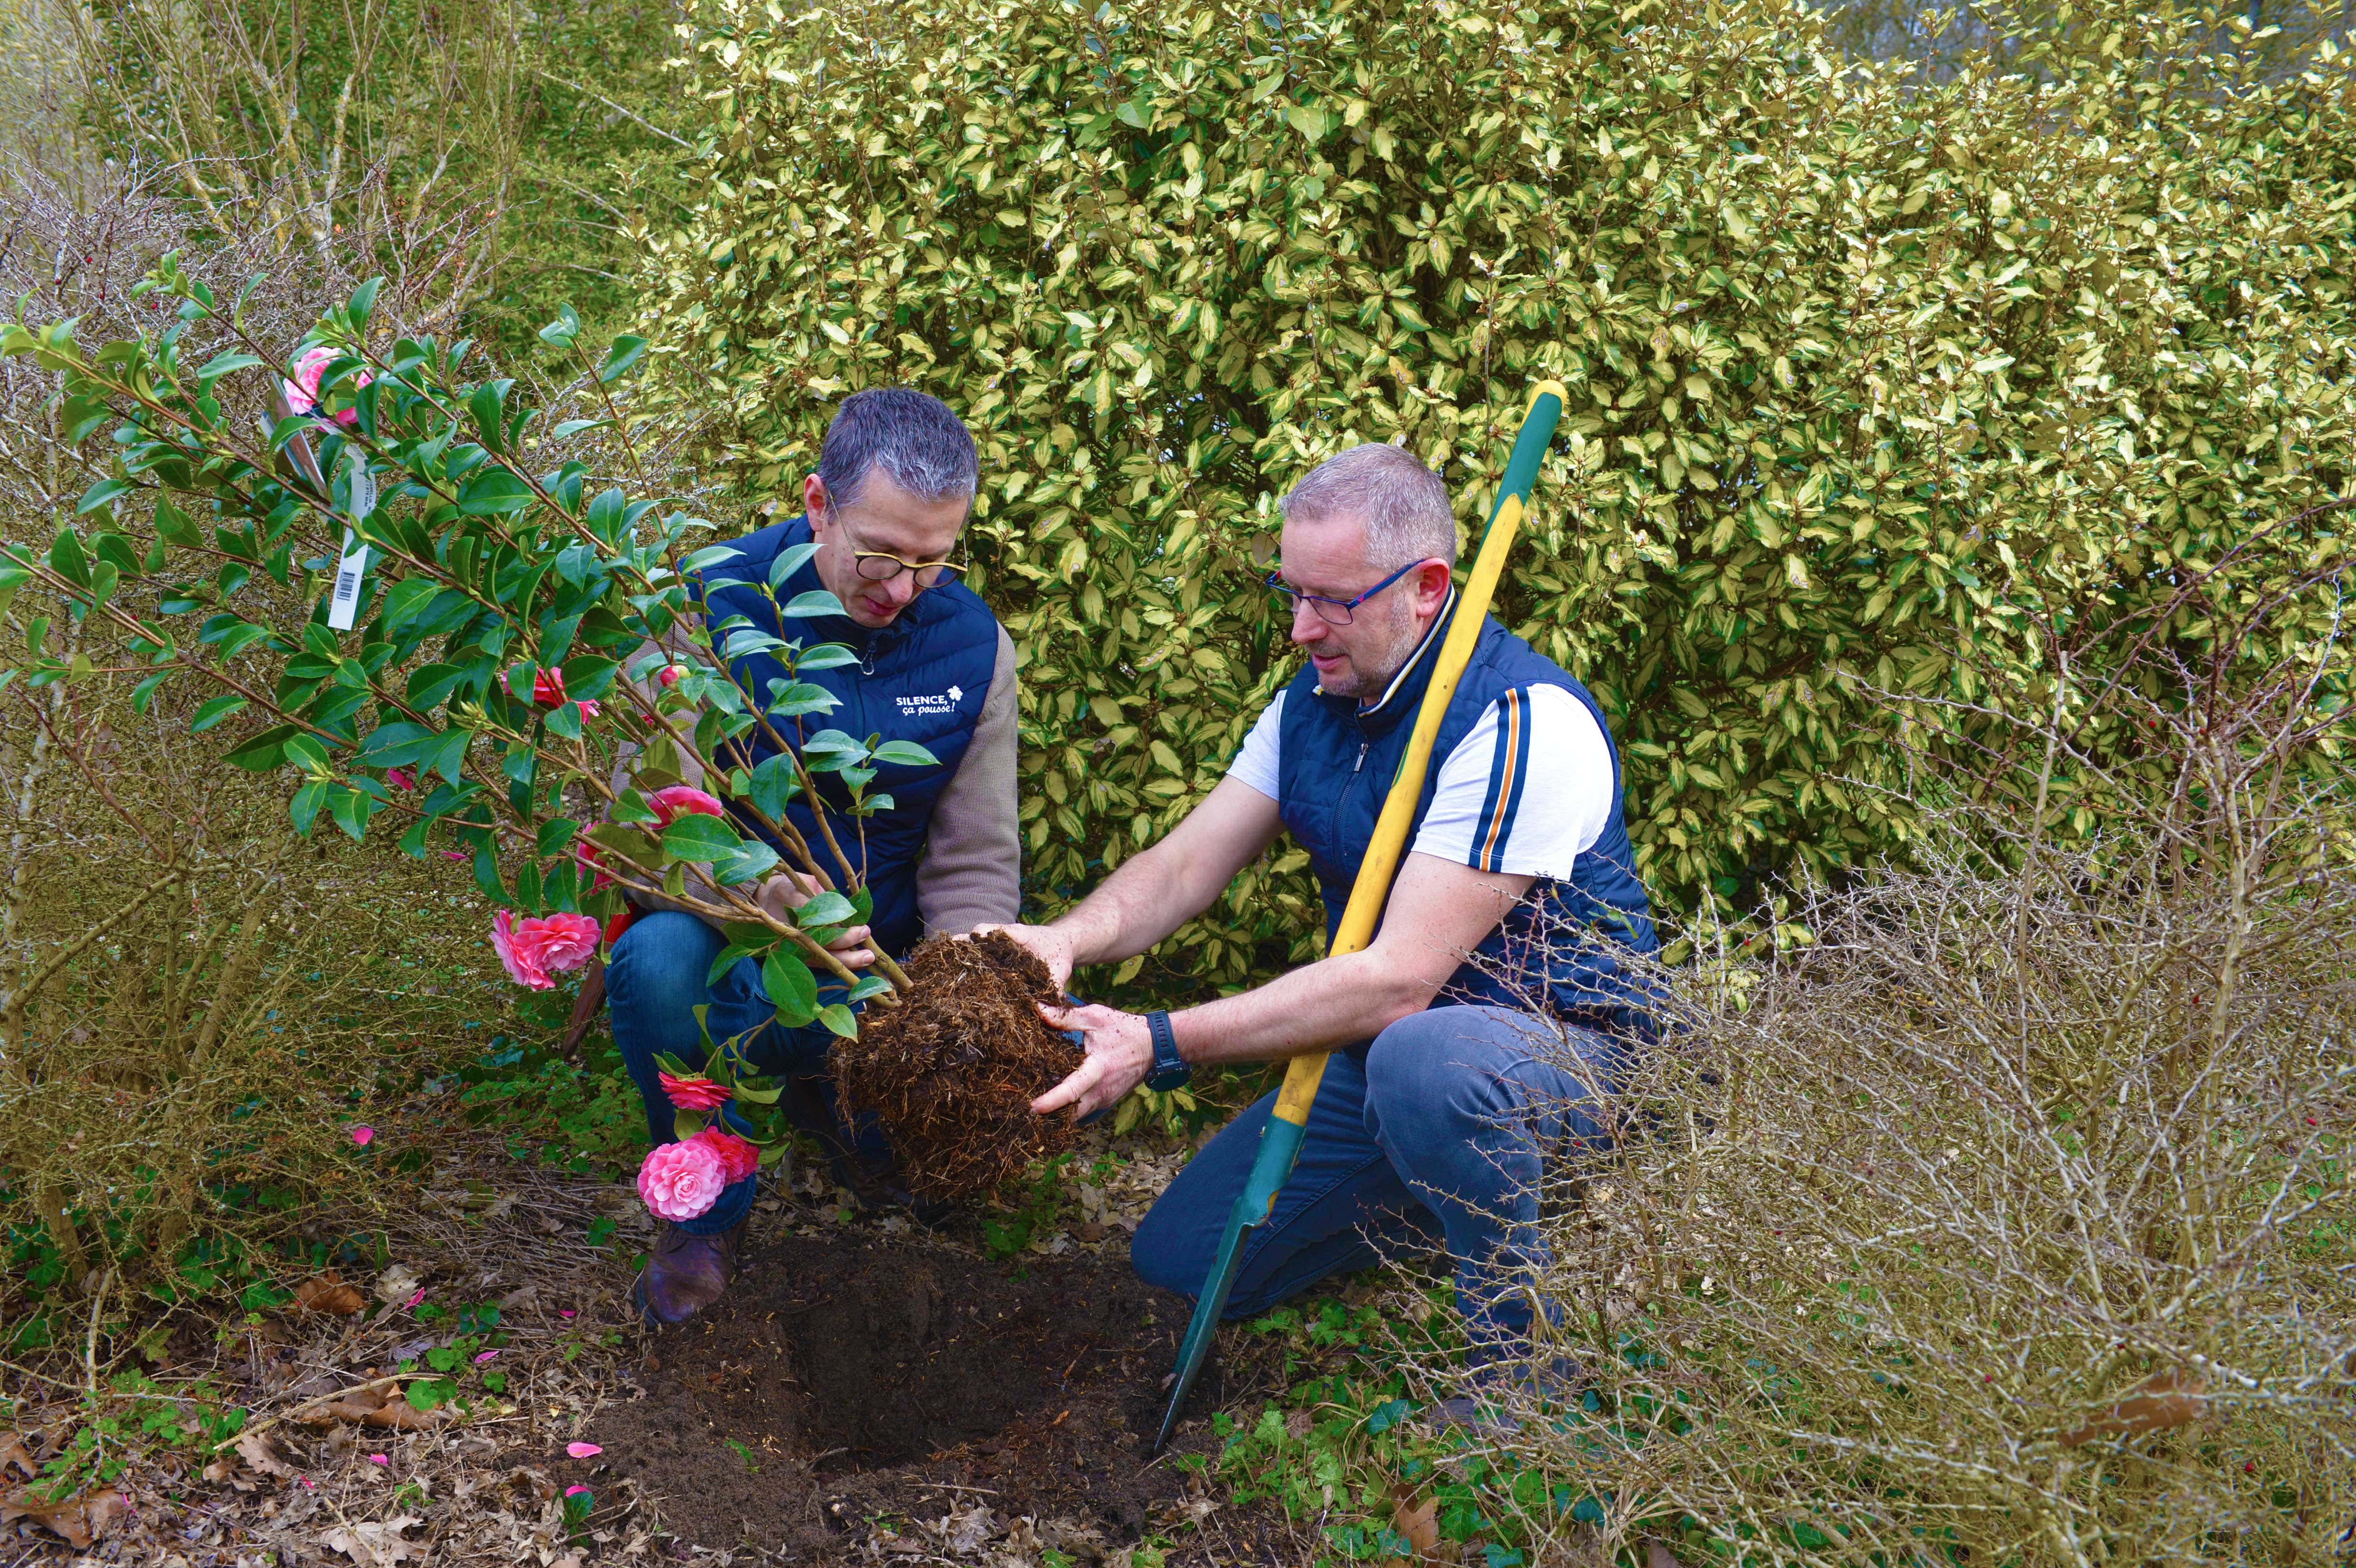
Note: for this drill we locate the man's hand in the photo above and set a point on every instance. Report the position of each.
(789, 890)
(1052, 946)
(1120, 1053)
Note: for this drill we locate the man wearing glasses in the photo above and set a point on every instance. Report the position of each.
(895, 484)
(1516, 897)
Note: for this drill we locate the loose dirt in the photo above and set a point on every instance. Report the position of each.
(951, 1072)
(848, 1386)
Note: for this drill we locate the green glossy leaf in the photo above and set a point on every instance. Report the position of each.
(214, 711)
(701, 838)
(791, 987)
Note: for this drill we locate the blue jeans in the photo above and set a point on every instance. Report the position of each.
(1441, 1125)
(655, 980)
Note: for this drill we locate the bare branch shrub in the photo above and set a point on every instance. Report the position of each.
(2000, 1212)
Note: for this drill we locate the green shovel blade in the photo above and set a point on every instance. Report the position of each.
(1280, 1145)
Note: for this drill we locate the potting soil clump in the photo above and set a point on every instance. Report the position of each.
(952, 1071)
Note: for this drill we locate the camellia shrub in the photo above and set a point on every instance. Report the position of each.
(409, 605)
(1880, 380)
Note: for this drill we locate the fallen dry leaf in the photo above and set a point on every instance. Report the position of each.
(1417, 1523)
(1659, 1556)
(328, 1293)
(13, 1451)
(397, 1282)
(2164, 1400)
(369, 1408)
(81, 1520)
(256, 1450)
(377, 1544)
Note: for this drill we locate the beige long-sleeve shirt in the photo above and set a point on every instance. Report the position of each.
(972, 866)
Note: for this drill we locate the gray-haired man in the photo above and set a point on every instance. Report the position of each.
(895, 483)
(1516, 901)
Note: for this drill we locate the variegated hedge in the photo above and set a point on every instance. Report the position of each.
(1880, 384)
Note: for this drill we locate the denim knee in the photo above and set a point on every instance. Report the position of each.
(1415, 1087)
(1165, 1254)
(659, 968)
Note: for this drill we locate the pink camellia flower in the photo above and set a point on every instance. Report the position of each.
(529, 948)
(588, 709)
(400, 778)
(738, 1158)
(679, 1181)
(302, 391)
(692, 1094)
(581, 1451)
(548, 687)
(362, 1136)
(676, 801)
(670, 674)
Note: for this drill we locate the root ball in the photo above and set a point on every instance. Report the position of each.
(951, 1071)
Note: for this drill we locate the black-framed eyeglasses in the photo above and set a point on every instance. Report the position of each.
(1333, 612)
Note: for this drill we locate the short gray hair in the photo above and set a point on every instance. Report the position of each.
(1403, 503)
(914, 438)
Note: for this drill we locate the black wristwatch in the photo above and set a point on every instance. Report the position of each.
(1170, 1071)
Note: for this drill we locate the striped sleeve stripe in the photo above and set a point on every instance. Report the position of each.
(1509, 771)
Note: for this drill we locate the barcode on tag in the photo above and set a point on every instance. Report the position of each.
(345, 606)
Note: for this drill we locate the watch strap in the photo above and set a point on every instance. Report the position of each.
(1170, 1068)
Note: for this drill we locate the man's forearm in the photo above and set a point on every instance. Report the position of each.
(1141, 903)
(1322, 1006)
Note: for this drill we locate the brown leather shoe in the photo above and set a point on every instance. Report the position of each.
(685, 1273)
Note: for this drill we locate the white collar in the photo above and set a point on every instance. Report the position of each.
(1413, 659)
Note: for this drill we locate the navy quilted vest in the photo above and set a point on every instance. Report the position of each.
(923, 678)
(1335, 766)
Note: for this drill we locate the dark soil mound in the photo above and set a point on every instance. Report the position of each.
(841, 1379)
(951, 1071)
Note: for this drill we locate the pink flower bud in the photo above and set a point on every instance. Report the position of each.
(671, 674)
(680, 800)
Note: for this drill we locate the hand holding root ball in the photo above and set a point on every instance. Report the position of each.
(1120, 1055)
(1119, 1047)
(1052, 947)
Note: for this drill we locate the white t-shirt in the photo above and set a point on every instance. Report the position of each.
(1527, 791)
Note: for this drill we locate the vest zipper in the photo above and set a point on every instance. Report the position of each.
(1362, 756)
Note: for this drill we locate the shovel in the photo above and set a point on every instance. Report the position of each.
(1279, 1141)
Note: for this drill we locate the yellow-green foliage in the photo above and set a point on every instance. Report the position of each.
(1876, 378)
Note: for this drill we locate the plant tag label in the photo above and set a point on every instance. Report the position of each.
(360, 485)
(345, 605)
(359, 492)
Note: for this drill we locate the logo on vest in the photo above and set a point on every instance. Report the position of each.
(934, 706)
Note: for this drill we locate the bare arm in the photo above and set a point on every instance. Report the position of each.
(1438, 911)
(1159, 889)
